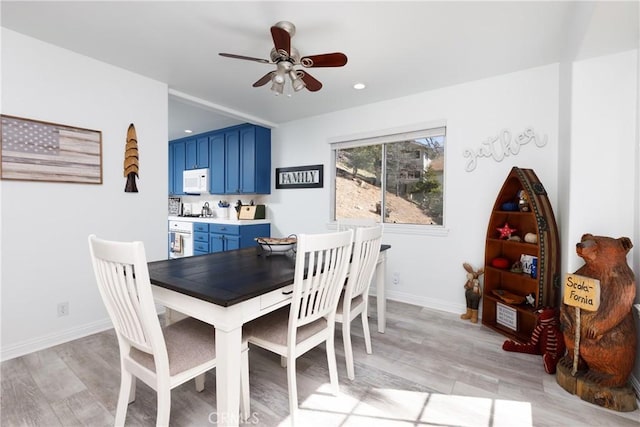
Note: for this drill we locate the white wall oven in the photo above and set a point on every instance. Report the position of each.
(180, 239)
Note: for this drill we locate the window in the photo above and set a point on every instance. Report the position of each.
(401, 175)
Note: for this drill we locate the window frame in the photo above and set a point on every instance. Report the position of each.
(382, 136)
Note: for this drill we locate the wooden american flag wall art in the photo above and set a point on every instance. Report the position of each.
(34, 150)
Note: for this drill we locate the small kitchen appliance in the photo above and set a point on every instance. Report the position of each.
(195, 181)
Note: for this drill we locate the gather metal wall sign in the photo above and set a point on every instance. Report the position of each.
(300, 177)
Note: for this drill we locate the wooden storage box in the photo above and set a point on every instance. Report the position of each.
(252, 212)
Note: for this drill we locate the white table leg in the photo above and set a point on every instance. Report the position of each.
(381, 297)
(228, 348)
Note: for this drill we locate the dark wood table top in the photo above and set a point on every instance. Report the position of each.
(226, 278)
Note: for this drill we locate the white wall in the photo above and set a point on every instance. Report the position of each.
(603, 139)
(431, 266)
(44, 226)
(605, 158)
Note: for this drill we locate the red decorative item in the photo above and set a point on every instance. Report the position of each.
(546, 340)
(501, 263)
(505, 231)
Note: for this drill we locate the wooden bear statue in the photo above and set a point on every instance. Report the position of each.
(607, 336)
(546, 340)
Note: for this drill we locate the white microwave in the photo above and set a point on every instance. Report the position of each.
(195, 181)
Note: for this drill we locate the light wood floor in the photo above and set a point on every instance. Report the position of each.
(429, 369)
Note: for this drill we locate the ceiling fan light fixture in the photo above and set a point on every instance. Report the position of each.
(285, 57)
(278, 78)
(359, 86)
(277, 87)
(296, 81)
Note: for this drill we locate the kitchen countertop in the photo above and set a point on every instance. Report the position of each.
(212, 220)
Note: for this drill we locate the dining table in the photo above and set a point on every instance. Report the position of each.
(228, 289)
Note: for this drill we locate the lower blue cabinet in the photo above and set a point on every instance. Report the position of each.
(200, 238)
(225, 237)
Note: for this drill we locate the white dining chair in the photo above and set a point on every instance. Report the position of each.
(354, 301)
(321, 267)
(161, 358)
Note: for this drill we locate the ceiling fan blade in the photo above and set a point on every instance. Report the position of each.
(336, 59)
(311, 83)
(264, 79)
(247, 58)
(281, 39)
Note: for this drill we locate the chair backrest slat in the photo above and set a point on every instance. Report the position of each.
(119, 286)
(123, 281)
(324, 258)
(366, 251)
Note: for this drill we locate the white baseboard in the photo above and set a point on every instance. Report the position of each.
(424, 302)
(35, 344)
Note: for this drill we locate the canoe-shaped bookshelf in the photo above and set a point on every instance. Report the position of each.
(512, 291)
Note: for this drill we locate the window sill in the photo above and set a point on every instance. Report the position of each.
(414, 229)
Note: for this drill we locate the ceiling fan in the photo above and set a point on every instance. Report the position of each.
(286, 57)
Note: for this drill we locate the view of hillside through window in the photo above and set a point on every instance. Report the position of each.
(402, 179)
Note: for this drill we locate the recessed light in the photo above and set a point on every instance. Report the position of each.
(359, 86)
(188, 131)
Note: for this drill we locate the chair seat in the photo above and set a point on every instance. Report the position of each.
(274, 327)
(190, 343)
(355, 302)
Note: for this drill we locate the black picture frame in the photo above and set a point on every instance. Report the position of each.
(311, 176)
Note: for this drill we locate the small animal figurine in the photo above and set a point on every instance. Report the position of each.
(523, 201)
(546, 339)
(472, 293)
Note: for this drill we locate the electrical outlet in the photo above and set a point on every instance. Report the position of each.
(396, 278)
(63, 309)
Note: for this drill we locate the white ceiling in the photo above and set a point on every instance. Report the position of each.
(396, 48)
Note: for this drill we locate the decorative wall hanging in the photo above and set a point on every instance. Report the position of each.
(300, 177)
(502, 145)
(131, 160)
(33, 150)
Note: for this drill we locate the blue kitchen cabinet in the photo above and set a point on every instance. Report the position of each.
(197, 153)
(225, 237)
(232, 162)
(223, 242)
(177, 165)
(255, 160)
(240, 160)
(200, 238)
(216, 160)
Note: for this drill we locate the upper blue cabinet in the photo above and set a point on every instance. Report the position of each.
(238, 158)
(197, 153)
(177, 164)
